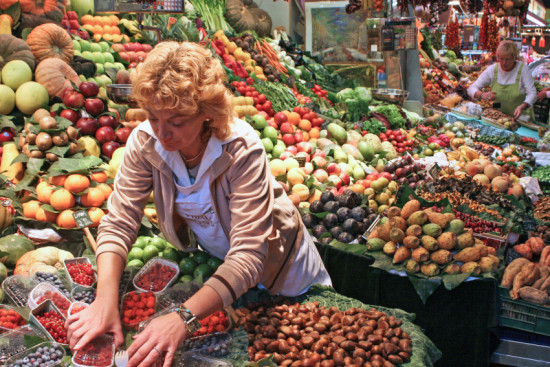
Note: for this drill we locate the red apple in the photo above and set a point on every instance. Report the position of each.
(147, 47)
(303, 154)
(287, 128)
(118, 47)
(70, 115)
(286, 154)
(336, 181)
(94, 106)
(138, 47)
(140, 56)
(7, 134)
(73, 99)
(89, 89)
(280, 118)
(345, 178)
(132, 65)
(129, 46)
(109, 148)
(292, 149)
(105, 134)
(122, 134)
(319, 153)
(319, 161)
(304, 147)
(264, 114)
(334, 169)
(320, 174)
(272, 123)
(298, 137)
(133, 56)
(107, 120)
(87, 125)
(288, 139)
(124, 56)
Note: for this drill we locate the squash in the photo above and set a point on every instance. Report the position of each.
(6, 214)
(15, 246)
(55, 75)
(42, 7)
(245, 15)
(262, 20)
(4, 4)
(13, 48)
(49, 259)
(6, 22)
(50, 40)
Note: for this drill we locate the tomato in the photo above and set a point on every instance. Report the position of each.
(389, 131)
(256, 100)
(400, 138)
(241, 90)
(366, 183)
(250, 89)
(259, 107)
(400, 145)
(267, 107)
(307, 116)
(255, 93)
(382, 136)
(262, 98)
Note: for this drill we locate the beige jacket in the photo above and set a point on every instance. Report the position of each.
(263, 226)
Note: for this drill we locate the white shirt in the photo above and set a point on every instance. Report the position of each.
(526, 82)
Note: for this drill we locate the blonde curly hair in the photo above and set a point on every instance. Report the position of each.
(186, 78)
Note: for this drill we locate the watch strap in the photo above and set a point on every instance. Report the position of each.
(192, 322)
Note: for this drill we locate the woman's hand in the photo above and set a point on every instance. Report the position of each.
(519, 109)
(99, 318)
(488, 96)
(162, 336)
(543, 94)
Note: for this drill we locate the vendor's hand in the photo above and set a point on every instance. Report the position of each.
(99, 318)
(488, 96)
(161, 337)
(541, 95)
(518, 111)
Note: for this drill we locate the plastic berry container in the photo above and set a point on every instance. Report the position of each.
(18, 288)
(50, 354)
(10, 319)
(156, 275)
(192, 359)
(100, 352)
(86, 271)
(83, 294)
(44, 291)
(58, 279)
(49, 307)
(134, 301)
(13, 341)
(213, 345)
(176, 295)
(76, 307)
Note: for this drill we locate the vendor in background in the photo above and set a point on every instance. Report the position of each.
(511, 83)
(210, 174)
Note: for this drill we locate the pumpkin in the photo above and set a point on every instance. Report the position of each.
(50, 40)
(245, 15)
(55, 75)
(48, 259)
(15, 246)
(13, 48)
(4, 4)
(41, 7)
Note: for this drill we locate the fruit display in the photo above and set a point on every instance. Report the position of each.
(54, 280)
(406, 171)
(10, 319)
(49, 355)
(335, 337)
(97, 353)
(527, 280)
(71, 23)
(215, 323)
(156, 275)
(53, 322)
(137, 307)
(81, 273)
(85, 296)
(104, 27)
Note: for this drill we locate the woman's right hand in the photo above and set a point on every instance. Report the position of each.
(100, 317)
(488, 96)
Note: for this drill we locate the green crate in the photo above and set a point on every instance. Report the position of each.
(523, 315)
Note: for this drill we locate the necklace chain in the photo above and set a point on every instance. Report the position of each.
(195, 157)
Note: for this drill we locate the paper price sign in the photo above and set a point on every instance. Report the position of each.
(82, 219)
(434, 171)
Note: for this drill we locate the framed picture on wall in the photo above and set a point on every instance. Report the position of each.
(335, 36)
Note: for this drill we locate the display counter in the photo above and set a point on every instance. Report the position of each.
(457, 321)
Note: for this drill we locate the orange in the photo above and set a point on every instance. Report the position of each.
(304, 125)
(65, 219)
(97, 37)
(76, 183)
(113, 20)
(126, 38)
(117, 37)
(305, 134)
(87, 19)
(293, 118)
(30, 208)
(57, 180)
(115, 30)
(43, 191)
(88, 27)
(95, 215)
(107, 190)
(94, 197)
(314, 133)
(99, 176)
(45, 216)
(97, 29)
(62, 199)
(107, 37)
(106, 29)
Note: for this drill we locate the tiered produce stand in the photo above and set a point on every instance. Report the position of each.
(434, 226)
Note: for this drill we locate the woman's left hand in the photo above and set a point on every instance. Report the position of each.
(162, 336)
(517, 112)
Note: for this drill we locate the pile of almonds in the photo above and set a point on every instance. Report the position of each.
(309, 335)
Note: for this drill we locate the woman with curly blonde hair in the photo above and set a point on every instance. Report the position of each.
(213, 189)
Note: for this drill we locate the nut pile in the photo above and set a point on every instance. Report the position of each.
(542, 232)
(542, 209)
(320, 336)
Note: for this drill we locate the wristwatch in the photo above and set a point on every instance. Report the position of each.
(192, 323)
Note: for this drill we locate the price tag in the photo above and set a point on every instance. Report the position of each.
(430, 187)
(82, 219)
(529, 225)
(434, 171)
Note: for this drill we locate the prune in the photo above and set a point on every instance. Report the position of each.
(362, 227)
(335, 231)
(318, 230)
(309, 220)
(343, 213)
(317, 207)
(330, 220)
(326, 240)
(356, 198)
(345, 237)
(350, 225)
(331, 206)
(358, 213)
(346, 201)
(327, 196)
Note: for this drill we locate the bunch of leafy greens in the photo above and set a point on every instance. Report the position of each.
(374, 126)
(393, 113)
(357, 100)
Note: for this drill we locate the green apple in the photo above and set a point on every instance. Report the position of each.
(108, 57)
(100, 69)
(258, 122)
(278, 149)
(88, 55)
(85, 45)
(91, 79)
(98, 57)
(270, 132)
(99, 81)
(104, 46)
(76, 45)
(106, 80)
(77, 53)
(268, 144)
(108, 64)
(95, 47)
(119, 66)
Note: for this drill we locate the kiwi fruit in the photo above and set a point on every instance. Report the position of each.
(21, 141)
(25, 150)
(36, 154)
(31, 138)
(72, 133)
(40, 113)
(43, 141)
(52, 157)
(73, 148)
(47, 123)
(27, 128)
(60, 139)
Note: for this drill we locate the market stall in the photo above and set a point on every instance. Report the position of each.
(427, 203)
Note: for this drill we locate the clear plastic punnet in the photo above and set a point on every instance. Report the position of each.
(213, 345)
(10, 318)
(18, 288)
(156, 275)
(83, 274)
(136, 307)
(76, 307)
(13, 341)
(48, 307)
(44, 291)
(44, 354)
(100, 352)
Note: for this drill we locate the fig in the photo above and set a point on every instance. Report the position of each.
(343, 213)
(330, 220)
(326, 240)
(317, 207)
(345, 237)
(350, 225)
(318, 230)
(358, 213)
(335, 231)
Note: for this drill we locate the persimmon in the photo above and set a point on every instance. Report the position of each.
(294, 118)
(44, 191)
(65, 219)
(94, 197)
(107, 190)
(30, 208)
(304, 124)
(99, 176)
(45, 216)
(62, 199)
(58, 180)
(76, 183)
